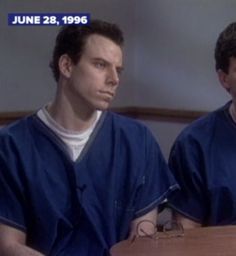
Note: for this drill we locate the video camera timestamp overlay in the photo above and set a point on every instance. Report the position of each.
(48, 19)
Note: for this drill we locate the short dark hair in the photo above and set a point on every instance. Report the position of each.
(225, 47)
(71, 40)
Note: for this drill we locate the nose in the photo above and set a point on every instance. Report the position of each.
(113, 77)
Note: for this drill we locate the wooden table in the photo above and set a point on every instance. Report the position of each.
(210, 241)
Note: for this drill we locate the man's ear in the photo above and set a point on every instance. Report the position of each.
(223, 78)
(65, 65)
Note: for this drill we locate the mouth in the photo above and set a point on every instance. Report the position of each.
(107, 94)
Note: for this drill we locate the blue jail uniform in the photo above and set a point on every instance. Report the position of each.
(203, 161)
(80, 207)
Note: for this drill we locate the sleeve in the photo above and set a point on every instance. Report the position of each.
(186, 162)
(157, 181)
(12, 203)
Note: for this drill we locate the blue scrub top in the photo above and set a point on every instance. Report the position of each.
(82, 207)
(203, 162)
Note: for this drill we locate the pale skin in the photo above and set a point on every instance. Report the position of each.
(82, 89)
(87, 86)
(186, 223)
(228, 81)
(13, 243)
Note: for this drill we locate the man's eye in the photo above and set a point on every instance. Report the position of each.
(100, 65)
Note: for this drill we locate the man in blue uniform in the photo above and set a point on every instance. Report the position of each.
(203, 156)
(75, 178)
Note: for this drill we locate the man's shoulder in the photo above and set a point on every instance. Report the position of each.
(203, 127)
(16, 129)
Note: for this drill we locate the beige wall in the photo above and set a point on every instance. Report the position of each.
(168, 55)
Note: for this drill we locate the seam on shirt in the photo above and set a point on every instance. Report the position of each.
(158, 200)
(12, 223)
(92, 137)
(183, 213)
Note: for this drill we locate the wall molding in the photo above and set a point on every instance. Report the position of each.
(8, 117)
(161, 114)
(143, 113)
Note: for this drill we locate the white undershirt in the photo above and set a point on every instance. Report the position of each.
(75, 141)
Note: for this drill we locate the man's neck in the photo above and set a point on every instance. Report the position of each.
(75, 120)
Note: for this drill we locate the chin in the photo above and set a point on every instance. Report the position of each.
(103, 107)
